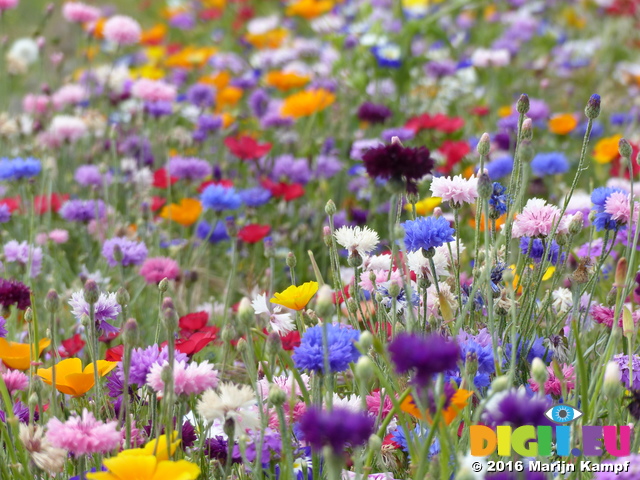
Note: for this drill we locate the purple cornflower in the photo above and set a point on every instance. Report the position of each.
(89, 176)
(427, 233)
(403, 134)
(82, 210)
(295, 169)
(259, 102)
(13, 292)
(623, 364)
(339, 428)
(189, 168)
(309, 355)
(255, 197)
(3, 330)
(106, 308)
(133, 253)
(632, 473)
(138, 148)
(21, 411)
(201, 95)
(5, 213)
(219, 233)
(209, 123)
(216, 449)
(327, 166)
(183, 21)
(534, 248)
(142, 359)
(373, 112)
(271, 447)
(426, 356)
(159, 108)
(517, 408)
(22, 253)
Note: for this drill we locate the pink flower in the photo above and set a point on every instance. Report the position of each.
(456, 190)
(15, 381)
(188, 379)
(604, 315)
(381, 277)
(42, 238)
(618, 205)
(59, 235)
(553, 386)
(7, 4)
(375, 406)
(153, 90)
(83, 435)
(35, 103)
(70, 94)
(67, 128)
(157, 268)
(122, 30)
(536, 219)
(79, 12)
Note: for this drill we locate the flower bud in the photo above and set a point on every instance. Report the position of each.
(130, 332)
(539, 373)
(163, 285)
(324, 301)
(330, 208)
(291, 260)
(52, 301)
(170, 320)
(28, 315)
(352, 305)
(364, 368)
(484, 145)
(366, 340)
(485, 185)
(522, 106)
(394, 289)
(167, 303)
(232, 228)
(245, 312)
(277, 396)
(592, 110)
(624, 148)
(269, 250)
(375, 442)
(611, 296)
(621, 273)
(471, 364)
(91, 292)
(326, 236)
(85, 320)
(628, 326)
(527, 130)
(612, 386)
(122, 296)
(500, 383)
(242, 345)
(576, 223)
(166, 375)
(33, 400)
(437, 212)
(273, 344)
(228, 333)
(526, 153)
(429, 252)
(355, 259)
(117, 253)
(562, 239)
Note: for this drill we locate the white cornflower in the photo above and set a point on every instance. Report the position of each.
(422, 268)
(231, 403)
(357, 239)
(562, 300)
(281, 323)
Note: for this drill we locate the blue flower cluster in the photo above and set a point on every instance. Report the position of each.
(500, 167)
(17, 168)
(528, 350)
(218, 234)
(498, 201)
(603, 220)
(219, 197)
(427, 233)
(255, 197)
(551, 163)
(535, 250)
(340, 346)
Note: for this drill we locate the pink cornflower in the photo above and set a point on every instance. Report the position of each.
(456, 190)
(375, 406)
(83, 435)
(381, 277)
(604, 315)
(35, 103)
(188, 378)
(618, 205)
(553, 386)
(122, 30)
(67, 128)
(153, 90)
(70, 94)
(79, 12)
(15, 381)
(7, 4)
(155, 269)
(536, 219)
(59, 235)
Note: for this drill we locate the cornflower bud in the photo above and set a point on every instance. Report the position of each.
(624, 148)
(500, 383)
(163, 285)
(576, 223)
(122, 296)
(522, 106)
(621, 273)
(366, 340)
(246, 313)
(330, 208)
(277, 396)
(91, 292)
(364, 368)
(612, 386)
(484, 145)
(52, 301)
(130, 332)
(539, 373)
(527, 130)
(592, 110)
(485, 185)
(273, 344)
(291, 260)
(28, 315)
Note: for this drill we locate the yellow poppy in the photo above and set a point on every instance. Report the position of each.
(271, 39)
(148, 71)
(504, 111)
(186, 213)
(457, 403)
(296, 298)
(286, 80)
(214, 3)
(606, 150)
(18, 355)
(161, 451)
(307, 102)
(71, 378)
(309, 8)
(562, 124)
(425, 206)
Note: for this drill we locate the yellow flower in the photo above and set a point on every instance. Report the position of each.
(504, 111)
(148, 71)
(186, 213)
(161, 451)
(296, 298)
(306, 103)
(71, 378)
(219, 80)
(563, 123)
(309, 8)
(606, 150)
(286, 80)
(18, 355)
(214, 3)
(425, 206)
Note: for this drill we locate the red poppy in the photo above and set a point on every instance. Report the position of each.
(161, 179)
(247, 148)
(194, 321)
(480, 110)
(253, 233)
(454, 151)
(196, 341)
(438, 122)
(625, 8)
(42, 204)
(173, 48)
(618, 171)
(388, 440)
(288, 191)
(291, 340)
(71, 346)
(114, 354)
(209, 14)
(224, 183)
(12, 202)
(157, 203)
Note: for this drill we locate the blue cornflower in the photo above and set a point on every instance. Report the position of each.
(427, 233)
(341, 348)
(484, 354)
(422, 433)
(500, 167)
(17, 168)
(603, 220)
(552, 163)
(401, 299)
(255, 197)
(499, 201)
(219, 233)
(219, 197)
(535, 251)
(388, 55)
(5, 213)
(528, 350)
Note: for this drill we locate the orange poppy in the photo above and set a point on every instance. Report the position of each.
(186, 213)
(228, 97)
(562, 124)
(219, 80)
(606, 150)
(307, 102)
(71, 378)
(154, 35)
(286, 80)
(309, 8)
(270, 39)
(458, 401)
(18, 355)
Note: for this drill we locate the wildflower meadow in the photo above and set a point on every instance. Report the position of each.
(319, 239)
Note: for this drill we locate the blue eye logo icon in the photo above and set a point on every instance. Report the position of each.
(563, 414)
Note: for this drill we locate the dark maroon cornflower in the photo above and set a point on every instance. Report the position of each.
(339, 428)
(399, 163)
(637, 290)
(373, 112)
(216, 449)
(15, 293)
(425, 356)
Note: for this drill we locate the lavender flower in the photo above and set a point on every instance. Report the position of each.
(623, 364)
(142, 359)
(339, 428)
(189, 168)
(82, 210)
(133, 253)
(5, 213)
(517, 408)
(106, 308)
(327, 166)
(219, 233)
(255, 197)
(201, 95)
(3, 330)
(22, 253)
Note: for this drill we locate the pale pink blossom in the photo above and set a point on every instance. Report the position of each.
(7, 4)
(83, 435)
(42, 238)
(35, 103)
(15, 381)
(456, 190)
(67, 128)
(381, 277)
(122, 30)
(553, 386)
(59, 235)
(618, 205)
(70, 94)
(79, 12)
(188, 378)
(536, 220)
(153, 90)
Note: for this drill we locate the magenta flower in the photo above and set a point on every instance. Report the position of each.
(188, 378)
(83, 435)
(122, 30)
(553, 386)
(536, 219)
(157, 268)
(15, 381)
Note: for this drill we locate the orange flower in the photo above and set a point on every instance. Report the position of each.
(309, 8)
(458, 401)
(606, 150)
(270, 39)
(563, 123)
(154, 35)
(307, 102)
(71, 379)
(96, 28)
(186, 213)
(286, 80)
(499, 222)
(218, 80)
(190, 57)
(296, 298)
(228, 97)
(18, 355)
